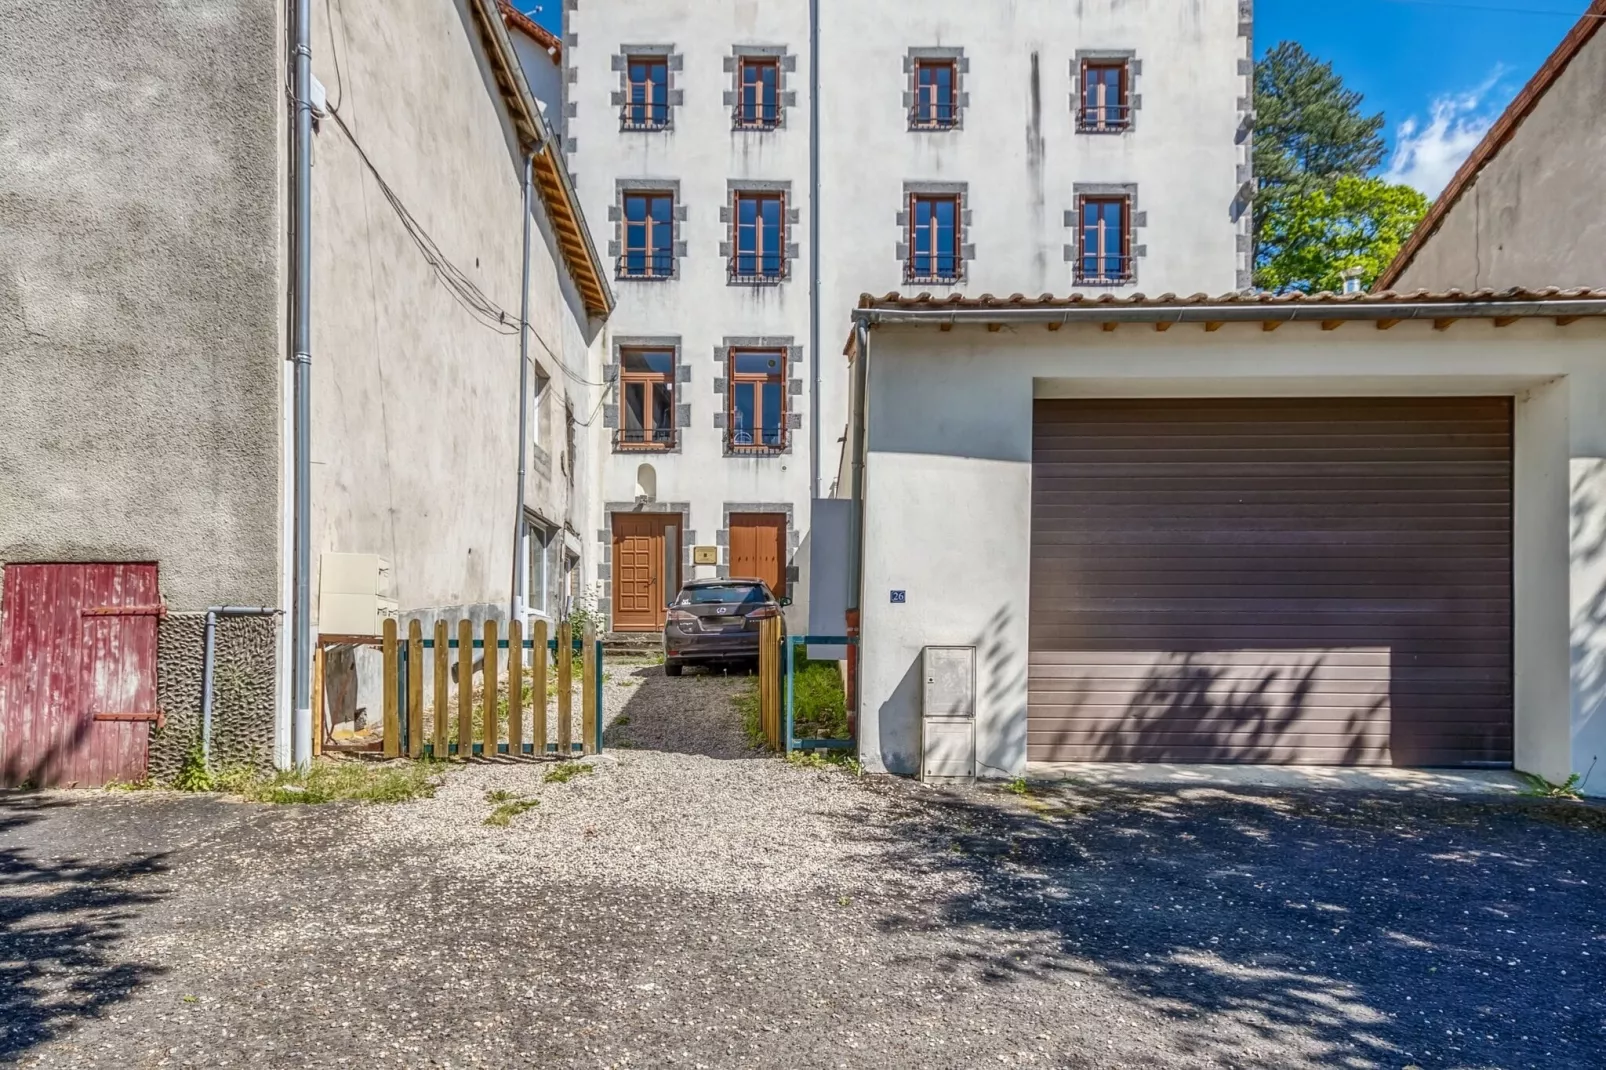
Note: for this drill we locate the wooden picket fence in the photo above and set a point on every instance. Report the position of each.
(500, 732)
(772, 683)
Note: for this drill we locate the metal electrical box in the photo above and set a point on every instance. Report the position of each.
(356, 594)
(948, 712)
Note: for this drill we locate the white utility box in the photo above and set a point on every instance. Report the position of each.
(948, 712)
(356, 594)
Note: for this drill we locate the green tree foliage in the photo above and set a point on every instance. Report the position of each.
(1352, 222)
(1309, 132)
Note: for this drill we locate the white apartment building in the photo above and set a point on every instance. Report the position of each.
(953, 147)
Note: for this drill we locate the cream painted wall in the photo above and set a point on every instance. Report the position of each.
(949, 496)
(415, 402)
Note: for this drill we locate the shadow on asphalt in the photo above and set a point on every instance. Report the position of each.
(691, 714)
(59, 919)
(1360, 930)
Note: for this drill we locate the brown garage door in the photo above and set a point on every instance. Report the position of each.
(1322, 580)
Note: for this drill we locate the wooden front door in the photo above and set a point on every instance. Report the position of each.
(646, 573)
(77, 673)
(758, 549)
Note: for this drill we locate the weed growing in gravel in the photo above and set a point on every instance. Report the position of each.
(509, 805)
(825, 759)
(1540, 788)
(1018, 786)
(564, 772)
(192, 772)
(621, 721)
(328, 781)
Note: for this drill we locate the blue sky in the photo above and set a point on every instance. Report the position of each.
(1440, 70)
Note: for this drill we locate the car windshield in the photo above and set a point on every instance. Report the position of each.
(724, 594)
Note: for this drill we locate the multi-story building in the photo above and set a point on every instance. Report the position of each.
(1038, 146)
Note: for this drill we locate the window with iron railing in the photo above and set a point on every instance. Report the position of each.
(1104, 252)
(646, 399)
(759, 248)
(934, 240)
(755, 419)
(1106, 106)
(649, 233)
(936, 104)
(758, 95)
(646, 94)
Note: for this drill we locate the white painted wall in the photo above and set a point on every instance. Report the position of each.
(949, 496)
(1017, 152)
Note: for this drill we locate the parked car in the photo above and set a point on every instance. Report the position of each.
(716, 622)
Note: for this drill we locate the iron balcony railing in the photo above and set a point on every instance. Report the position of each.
(1103, 118)
(756, 116)
(644, 265)
(929, 116)
(759, 269)
(644, 115)
(1096, 270)
(763, 438)
(645, 438)
(942, 270)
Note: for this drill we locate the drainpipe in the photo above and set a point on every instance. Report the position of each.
(814, 248)
(212, 616)
(859, 399)
(301, 344)
(520, 563)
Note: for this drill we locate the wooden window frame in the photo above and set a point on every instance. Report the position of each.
(756, 119)
(910, 273)
(759, 277)
(649, 230)
(651, 442)
(925, 115)
(658, 113)
(733, 379)
(1086, 109)
(1127, 271)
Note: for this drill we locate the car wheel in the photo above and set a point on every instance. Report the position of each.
(673, 668)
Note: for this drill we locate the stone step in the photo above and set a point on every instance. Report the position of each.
(632, 643)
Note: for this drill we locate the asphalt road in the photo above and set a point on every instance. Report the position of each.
(1071, 928)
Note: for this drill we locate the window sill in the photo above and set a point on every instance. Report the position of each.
(933, 280)
(1095, 280)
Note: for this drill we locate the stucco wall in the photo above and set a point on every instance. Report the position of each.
(141, 292)
(1017, 153)
(1534, 215)
(545, 75)
(415, 403)
(948, 516)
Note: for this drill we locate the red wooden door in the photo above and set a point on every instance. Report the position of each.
(758, 549)
(77, 652)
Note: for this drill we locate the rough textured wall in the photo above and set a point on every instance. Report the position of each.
(140, 290)
(415, 402)
(1534, 216)
(242, 692)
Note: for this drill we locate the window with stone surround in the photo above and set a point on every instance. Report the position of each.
(649, 235)
(1104, 237)
(756, 417)
(936, 83)
(758, 93)
(935, 245)
(646, 399)
(646, 105)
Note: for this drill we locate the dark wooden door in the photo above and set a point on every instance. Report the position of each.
(758, 549)
(77, 672)
(645, 548)
(1318, 580)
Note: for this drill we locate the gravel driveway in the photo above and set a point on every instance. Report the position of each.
(690, 904)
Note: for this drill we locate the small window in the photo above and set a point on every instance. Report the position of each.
(1106, 107)
(758, 94)
(934, 240)
(1104, 254)
(646, 94)
(760, 238)
(646, 399)
(649, 251)
(539, 544)
(756, 419)
(936, 97)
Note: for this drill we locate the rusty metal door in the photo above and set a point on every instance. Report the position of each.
(77, 673)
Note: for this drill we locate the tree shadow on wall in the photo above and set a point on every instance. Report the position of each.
(1588, 626)
(60, 920)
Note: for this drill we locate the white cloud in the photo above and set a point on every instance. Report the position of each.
(1426, 154)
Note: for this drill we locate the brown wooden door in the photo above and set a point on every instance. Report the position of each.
(645, 567)
(77, 664)
(758, 549)
(1317, 580)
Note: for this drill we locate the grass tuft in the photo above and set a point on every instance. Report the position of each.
(564, 772)
(510, 805)
(1540, 788)
(330, 781)
(825, 759)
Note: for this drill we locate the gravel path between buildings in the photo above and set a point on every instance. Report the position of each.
(689, 903)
